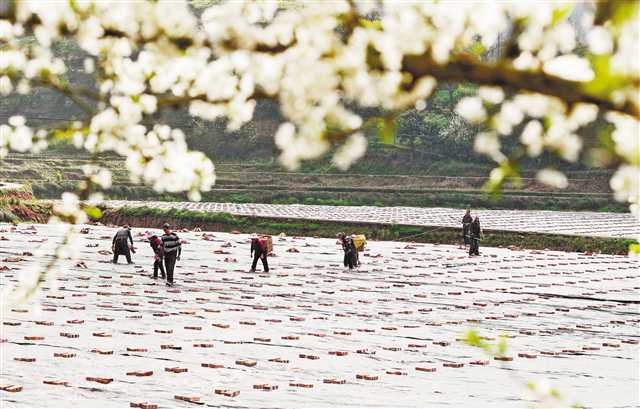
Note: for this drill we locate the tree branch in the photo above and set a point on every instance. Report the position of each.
(166, 101)
(469, 69)
(69, 93)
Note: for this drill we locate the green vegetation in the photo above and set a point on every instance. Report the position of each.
(373, 182)
(365, 197)
(18, 204)
(151, 217)
(428, 162)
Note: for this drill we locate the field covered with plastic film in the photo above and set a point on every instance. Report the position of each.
(308, 333)
(592, 224)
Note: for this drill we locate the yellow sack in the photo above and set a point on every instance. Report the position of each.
(359, 240)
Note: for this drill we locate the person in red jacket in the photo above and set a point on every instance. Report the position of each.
(259, 251)
(158, 251)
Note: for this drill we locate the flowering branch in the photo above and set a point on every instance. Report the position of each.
(503, 74)
(73, 94)
(322, 63)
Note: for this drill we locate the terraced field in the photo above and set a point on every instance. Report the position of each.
(255, 183)
(310, 334)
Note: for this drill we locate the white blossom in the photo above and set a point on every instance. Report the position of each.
(553, 178)
(89, 65)
(317, 73)
(471, 109)
(148, 103)
(17, 120)
(626, 137)
(494, 95)
(532, 138)
(535, 105)
(625, 184)
(488, 143)
(98, 175)
(582, 114)
(570, 67)
(68, 209)
(5, 85)
(21, 139)
(353, 149)
(600, 40)
(509, 116)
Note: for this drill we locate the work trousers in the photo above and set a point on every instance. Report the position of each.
(465, 233)
(117, 254)
(474, 248)
(157, 265)
(170, 263)
(265, 265)
(350, 259)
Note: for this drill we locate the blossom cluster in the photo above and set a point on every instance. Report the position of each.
(318, 61)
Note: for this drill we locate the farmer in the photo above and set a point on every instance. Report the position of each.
(119, 246)
(158, 252)
(259, 251)
(350, 252)
(475, 234)
(466, 224)
(172, 250)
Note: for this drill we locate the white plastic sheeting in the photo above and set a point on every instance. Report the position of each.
(402, 310)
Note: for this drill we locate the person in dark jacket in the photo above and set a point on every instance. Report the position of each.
(259, 251)
(119, 246)
(475, 233)
(158, 251)
(172, 250)
(350, 251)
(466, 224)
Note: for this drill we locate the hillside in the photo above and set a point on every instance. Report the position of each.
(428, 159)
(385, 177)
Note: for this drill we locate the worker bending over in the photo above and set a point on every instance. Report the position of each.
(259, 250)
(120, 247)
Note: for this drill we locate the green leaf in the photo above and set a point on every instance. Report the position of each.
(477, 49)
(93, 212)
(507, 171)
(63, 134)
(514, 175)
(561, 13)
(623, 11)
(605, 81)
(472, 338)
(502, 346)
(387, 133)
(371, 24)
(493, 185)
